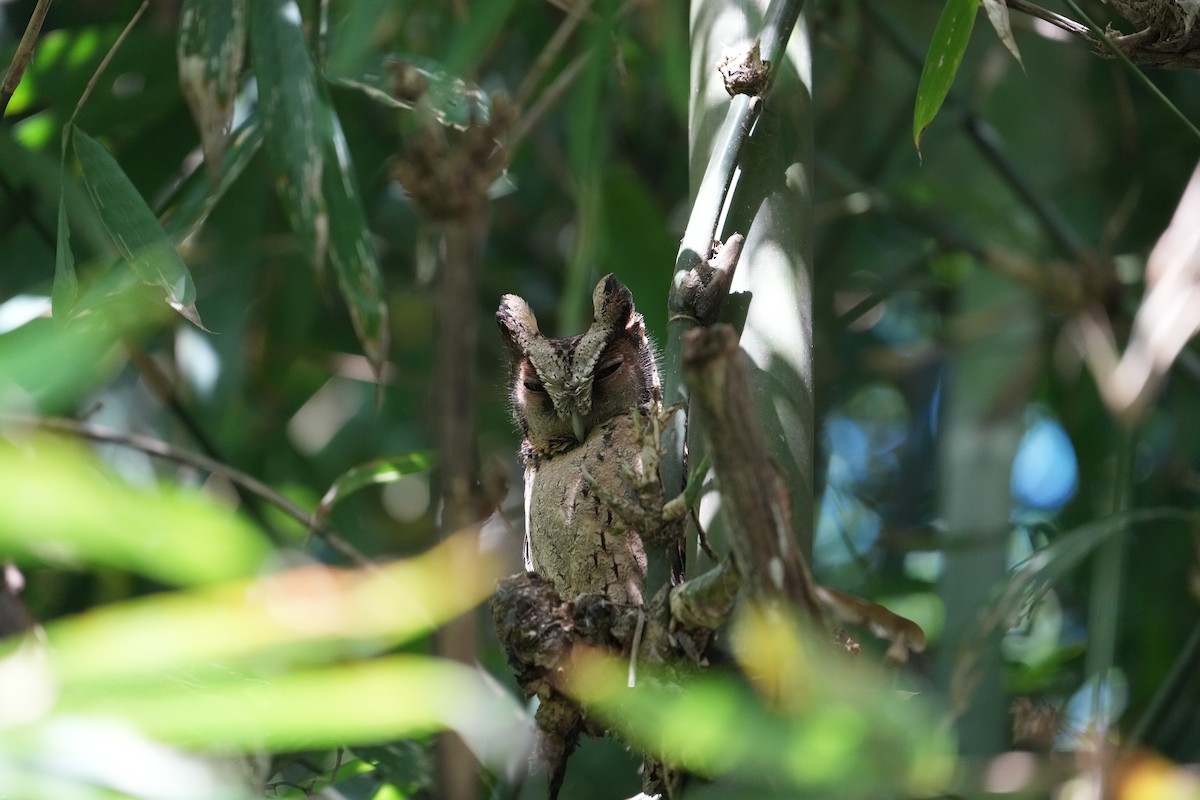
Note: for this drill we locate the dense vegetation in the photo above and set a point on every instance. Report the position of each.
(231, 362)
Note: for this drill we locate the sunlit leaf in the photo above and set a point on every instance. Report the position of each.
(309, 610)
(210, 50)
(941, 62)
(997, 11)
(842, 729)
(366, 702)
(376, 472)
(90, 759)
(133, 228)
(58, 507)
(83, 354)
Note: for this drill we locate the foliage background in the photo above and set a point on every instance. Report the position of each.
(1085, 176)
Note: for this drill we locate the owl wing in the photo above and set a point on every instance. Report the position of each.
(527, 549)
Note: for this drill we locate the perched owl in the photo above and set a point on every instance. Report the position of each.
(575, 400)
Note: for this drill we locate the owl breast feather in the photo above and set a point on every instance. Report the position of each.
(573, 536)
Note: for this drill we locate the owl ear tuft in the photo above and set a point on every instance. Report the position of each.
(612, 303)
(517, 323)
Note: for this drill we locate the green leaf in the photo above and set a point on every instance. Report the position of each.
(374, 472)
(210, 51)
(307, 709)
(294, 118)
(84, 353)
(811, 719)
(57, 507)
(133, 228)
(312, 613)
(941, 62)
(473, 37)
(311, 160)
(352, 250)
(66, 284)
(197, 197)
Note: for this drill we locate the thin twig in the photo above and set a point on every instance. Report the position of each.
(546, 101)
(108, 57)
(24, 54)
(162, 388)
(1057, 20)
(557, 41)
(161, 449)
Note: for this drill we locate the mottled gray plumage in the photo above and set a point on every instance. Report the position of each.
(574, 399)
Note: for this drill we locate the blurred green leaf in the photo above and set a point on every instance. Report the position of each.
(361, 22)
(303, 709)
(66, 284)
(303, 613)
(950, 40)
(89, 759)
(83, 354)
(472, 36)
(198, 196)
(819, 721)
(374, 472)
(211, 48)
(133, 227)
(58, 507)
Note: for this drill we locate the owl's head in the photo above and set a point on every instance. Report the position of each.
(563, 388)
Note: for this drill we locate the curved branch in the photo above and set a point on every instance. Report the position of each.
(161, 449)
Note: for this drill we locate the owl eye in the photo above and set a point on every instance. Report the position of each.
(608, 369)
(535, 386)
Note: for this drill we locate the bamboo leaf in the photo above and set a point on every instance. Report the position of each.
(375, 472)
(310, 613)
(311, 160)
(58, 507)
(198, 197)
(352, 250)
(997, 11)
(941, 62)
(133, 228)
(66, 283)
(391, 697)
(210, 50)
(295, 119)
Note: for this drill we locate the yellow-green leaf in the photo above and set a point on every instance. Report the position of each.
(311, 613)
(59, 507)
(362, 703)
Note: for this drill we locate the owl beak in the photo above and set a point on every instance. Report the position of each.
(577, 426)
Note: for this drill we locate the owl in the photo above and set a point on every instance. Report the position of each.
(575, 401)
